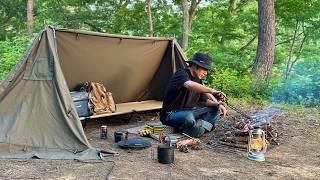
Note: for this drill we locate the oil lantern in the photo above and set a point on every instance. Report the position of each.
(256, 144)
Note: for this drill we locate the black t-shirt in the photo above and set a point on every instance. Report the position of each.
(177, 97)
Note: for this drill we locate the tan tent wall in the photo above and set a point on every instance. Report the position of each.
(173, 59)
(126, 66)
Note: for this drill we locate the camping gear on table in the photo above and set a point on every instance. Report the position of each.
(80, 99)
(120, 136)
(165, 154)
(103, 132)
(135, 143)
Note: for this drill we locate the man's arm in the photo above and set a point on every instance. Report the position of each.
(198, 87)
(220, 105)
(204, 89)
(211, 103)
(211, 97)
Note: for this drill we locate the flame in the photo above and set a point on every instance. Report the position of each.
(257, 144)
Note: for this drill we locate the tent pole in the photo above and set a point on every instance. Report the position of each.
(173, 59)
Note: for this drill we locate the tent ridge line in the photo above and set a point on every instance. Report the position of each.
(111, 35)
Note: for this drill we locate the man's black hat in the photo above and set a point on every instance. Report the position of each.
(203, 60)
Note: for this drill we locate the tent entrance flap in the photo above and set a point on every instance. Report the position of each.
(124, 108)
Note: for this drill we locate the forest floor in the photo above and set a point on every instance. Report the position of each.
(296, 157)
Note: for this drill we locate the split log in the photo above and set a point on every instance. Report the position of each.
(239, 125)
(239, 132)
(236, 139)
(234, 145)
(188, 142)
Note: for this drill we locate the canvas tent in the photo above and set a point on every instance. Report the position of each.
(37, 114)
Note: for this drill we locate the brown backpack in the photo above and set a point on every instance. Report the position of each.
(100, 101)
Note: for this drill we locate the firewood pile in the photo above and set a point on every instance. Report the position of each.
(237, 136)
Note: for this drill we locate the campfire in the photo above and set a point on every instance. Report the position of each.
(238, 135)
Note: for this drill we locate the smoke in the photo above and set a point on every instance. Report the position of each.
(302, 86)
(265, 115)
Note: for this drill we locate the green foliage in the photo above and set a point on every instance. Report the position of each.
(10, 53)
(227, 32)
(12, 18)
(302, 87)
(234, 84)
(223, 35)
(109, 16)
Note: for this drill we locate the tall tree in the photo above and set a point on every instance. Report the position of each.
(266, 41)
(188, 13)
(230, 11)
(185, 28)
(30, 17)
(149, 2)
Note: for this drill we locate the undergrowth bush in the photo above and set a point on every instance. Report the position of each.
(302, 86)
(236, 85)
(10, 53)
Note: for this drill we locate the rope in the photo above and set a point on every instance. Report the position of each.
(99, 161)
(110, 171)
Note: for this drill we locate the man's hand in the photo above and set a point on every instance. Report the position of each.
(211, 97)
(222, 110)
(221, 96)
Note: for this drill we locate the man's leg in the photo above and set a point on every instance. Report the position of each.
(184, 121)
(181, 120)
(208, 114)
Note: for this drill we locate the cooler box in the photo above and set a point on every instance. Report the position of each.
(80, 100)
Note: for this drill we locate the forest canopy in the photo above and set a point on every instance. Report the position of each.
(226, 29)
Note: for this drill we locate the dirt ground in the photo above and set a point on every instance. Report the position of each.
(296, 157)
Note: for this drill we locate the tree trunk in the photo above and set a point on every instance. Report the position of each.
(230, 11)
(30, 17)
(188, 14)
(298, 54)
(150, 18)
(266, 42)
(291, 49)
(185, 31)
(192, 11)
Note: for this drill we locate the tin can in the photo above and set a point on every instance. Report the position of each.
(103, 132)
(120, 136)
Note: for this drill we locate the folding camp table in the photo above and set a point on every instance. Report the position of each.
(130, 107)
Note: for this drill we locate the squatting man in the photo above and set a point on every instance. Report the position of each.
(189, 106)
